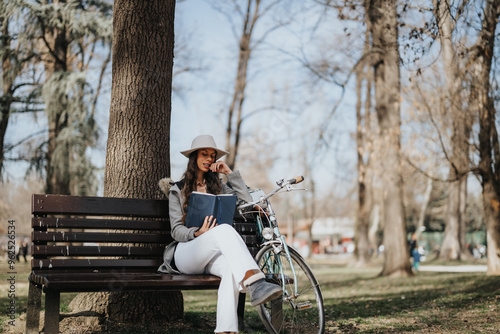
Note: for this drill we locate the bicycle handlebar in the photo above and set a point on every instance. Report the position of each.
(295, 180)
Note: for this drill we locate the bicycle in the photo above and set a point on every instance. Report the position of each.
(300, 309)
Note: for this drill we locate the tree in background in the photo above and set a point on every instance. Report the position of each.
(18, 54)
(482, 102)
(330, 68)
(364, 144)
(69, 33)
(464, 107)
(453, 246)
(385, 61)
(66, 39)
(138, 154)
(250, 14)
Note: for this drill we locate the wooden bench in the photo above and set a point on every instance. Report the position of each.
(89, 244)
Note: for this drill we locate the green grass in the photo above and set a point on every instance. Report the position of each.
(356, 301)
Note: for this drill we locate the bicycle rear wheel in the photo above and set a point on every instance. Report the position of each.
(300, 312)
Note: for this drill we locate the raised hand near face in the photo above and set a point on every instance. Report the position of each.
(220, 167)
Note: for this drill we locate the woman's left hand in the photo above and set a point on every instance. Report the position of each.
(220, 167)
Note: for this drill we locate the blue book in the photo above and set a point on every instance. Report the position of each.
(221, 206)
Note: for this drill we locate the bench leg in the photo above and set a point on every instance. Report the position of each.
(52, 299)
(33, 309)
(241, 311)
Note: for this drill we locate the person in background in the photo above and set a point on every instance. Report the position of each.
(18, 250)
(24, 250)
(414, 252)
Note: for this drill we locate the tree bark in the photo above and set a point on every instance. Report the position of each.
(139, 125)
(489, 146)
(383, 19)
(138, 139)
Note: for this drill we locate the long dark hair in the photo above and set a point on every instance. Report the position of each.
(214, 185)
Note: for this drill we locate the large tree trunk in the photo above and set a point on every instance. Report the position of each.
(383, 18)
(489, 146)
(138, 139)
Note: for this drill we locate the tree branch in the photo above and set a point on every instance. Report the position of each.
(20, 142)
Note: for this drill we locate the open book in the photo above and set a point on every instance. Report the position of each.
(221, 206)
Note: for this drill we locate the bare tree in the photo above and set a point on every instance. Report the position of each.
(250, 14)
(363, 130)
(467, 66)
(453, 246)
(489, 146)
(384, 27)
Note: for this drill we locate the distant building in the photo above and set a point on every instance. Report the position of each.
(329, 235)
(340, 226)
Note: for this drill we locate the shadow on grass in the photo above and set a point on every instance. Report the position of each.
(194, 322)
(454, 293)
(357, 301)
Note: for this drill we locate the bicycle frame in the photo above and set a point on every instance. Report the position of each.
(278, 245)
(278, 241)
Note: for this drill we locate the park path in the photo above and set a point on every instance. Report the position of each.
(473, 268)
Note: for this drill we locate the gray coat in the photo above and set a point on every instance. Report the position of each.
(180, 233)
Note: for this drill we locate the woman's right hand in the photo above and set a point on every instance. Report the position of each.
(208, 224)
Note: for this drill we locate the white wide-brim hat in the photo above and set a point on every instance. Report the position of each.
(204, 141)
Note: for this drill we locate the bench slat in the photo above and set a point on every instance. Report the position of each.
(99, 206)
(125, 281)
(111, 237)
(249, 239)
(92, 271)
(42, 236)
(245, 228)
(43, 222)
(64, 267)
(43, 251)
(54, 264)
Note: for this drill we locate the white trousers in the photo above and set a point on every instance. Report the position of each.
(220, 252)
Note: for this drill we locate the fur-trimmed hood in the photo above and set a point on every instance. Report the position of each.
(165, 185)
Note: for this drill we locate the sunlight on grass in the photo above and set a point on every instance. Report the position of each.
(356, 301)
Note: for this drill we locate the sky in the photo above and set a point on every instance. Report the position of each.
(286, 135)
(275, 79)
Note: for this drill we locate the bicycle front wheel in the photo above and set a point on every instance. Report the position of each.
(300, 310)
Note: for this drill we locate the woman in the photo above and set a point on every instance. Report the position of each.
(214, 249)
